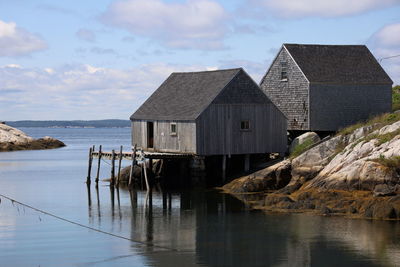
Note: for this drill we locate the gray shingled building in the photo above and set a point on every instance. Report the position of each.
(327, 87)
(221, 112)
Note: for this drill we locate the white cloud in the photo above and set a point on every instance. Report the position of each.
(79, 91)
(322, 8)
(389, 36)
(385, 45)
(16, 41)
(197, 24)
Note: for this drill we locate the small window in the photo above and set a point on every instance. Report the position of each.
(245, 125)
(173, 128)
(284, 76)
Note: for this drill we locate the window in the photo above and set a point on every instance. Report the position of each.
(173, 128)
(284, 76)
(245, 125)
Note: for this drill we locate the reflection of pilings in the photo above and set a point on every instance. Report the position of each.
(98, 202)
(89, 201)
(89, 196)
(112, 200)
(149, 217)
(133, 197)
(119, 203)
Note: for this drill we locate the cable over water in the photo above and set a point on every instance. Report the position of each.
(13, 201)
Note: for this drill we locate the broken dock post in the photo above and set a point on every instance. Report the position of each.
(98, 166)
(119, 165)
(112, 181)
(132, 165)
(89, 166)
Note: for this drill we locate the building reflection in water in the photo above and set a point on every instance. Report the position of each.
(213, 229)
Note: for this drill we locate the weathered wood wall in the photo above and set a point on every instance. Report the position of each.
(184, 141)
(219, 133)
(290, 96)
(337, 106)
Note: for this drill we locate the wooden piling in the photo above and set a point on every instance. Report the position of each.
(145, 176)
(223, 168)
(98, 166)
(246, 162)
(89, 166)
(132, 165)
(119, 165)
(112, 181)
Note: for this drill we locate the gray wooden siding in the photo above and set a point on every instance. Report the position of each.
(337, 106)
(184, 141)
(290, 96)
(219, 133)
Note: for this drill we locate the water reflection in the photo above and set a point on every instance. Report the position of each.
(188, 228)
(213, 229)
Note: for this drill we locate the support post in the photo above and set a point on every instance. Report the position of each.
(132, 165)
(145, 176)
(246, 162)
(89, 166)
(223, 168)
(98, 166)
(119, 165)
(151, 165)
(112, 181)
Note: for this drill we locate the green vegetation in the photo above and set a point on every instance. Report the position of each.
(396, 97)
(392, 162)
(376, 123)
(300, 148)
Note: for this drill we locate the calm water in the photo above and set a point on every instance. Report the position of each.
(198, 228)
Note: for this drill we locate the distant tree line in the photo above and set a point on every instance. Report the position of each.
(67, 124)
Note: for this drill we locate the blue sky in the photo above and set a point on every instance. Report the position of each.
(101, 59)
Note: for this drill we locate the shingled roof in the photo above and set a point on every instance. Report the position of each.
(338, 64)
(185, 95)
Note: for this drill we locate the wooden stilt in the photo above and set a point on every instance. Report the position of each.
(132, 166)
(246, 162)
(112, 181)
(119, 165)
(145, 177)
(223, 168)
(98, 166)
(89, 166)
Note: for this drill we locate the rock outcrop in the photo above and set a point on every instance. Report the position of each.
(357, 174)
(310, 137)
(12, 139)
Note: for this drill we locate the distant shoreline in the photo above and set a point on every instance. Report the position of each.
(111, 123)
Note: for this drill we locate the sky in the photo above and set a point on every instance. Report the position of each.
(101, 59)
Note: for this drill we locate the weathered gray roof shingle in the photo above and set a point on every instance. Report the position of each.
(347, 64)
(183, 96)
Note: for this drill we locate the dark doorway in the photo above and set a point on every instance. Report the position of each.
(150, 134)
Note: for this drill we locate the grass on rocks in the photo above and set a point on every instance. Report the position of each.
(392, 162)
(301, 148)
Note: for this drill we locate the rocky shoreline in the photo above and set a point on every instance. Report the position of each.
(355, 173)
(12, 139)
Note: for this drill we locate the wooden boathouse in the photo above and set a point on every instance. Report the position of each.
(327, 87)
(210, 113)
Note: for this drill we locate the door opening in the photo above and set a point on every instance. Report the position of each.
(150, 134)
